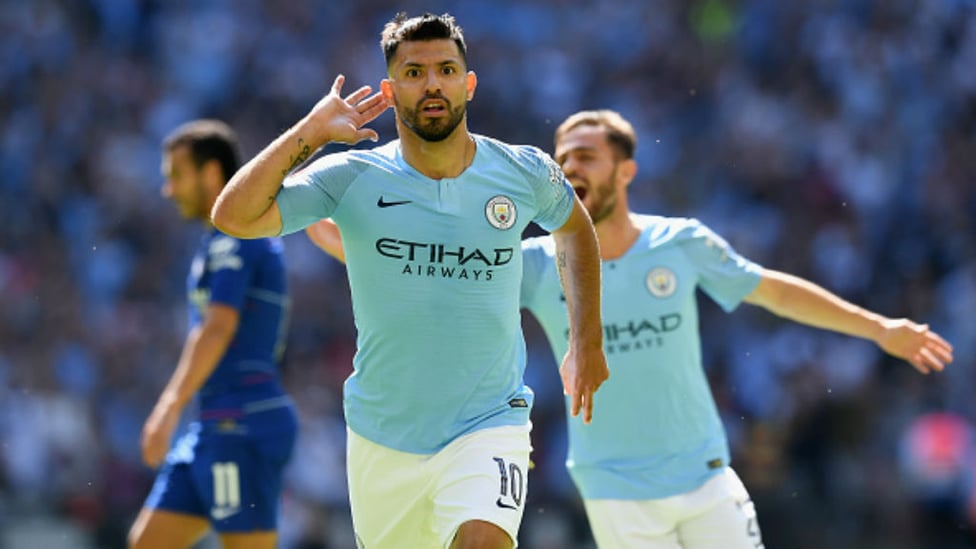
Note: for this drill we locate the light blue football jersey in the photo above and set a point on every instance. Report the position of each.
(434, 269)
(656, 431)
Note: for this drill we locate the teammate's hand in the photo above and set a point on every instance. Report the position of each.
(157, 434)
(341, 120)
(916, 344)
(582, 375)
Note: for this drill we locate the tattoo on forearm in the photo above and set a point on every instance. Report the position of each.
(303, 153)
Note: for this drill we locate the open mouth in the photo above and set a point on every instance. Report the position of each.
(433, 107)
(580, 192)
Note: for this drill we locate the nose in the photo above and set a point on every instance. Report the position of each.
(433, 83)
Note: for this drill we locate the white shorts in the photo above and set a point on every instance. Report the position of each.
(419, 501)
(717, 515)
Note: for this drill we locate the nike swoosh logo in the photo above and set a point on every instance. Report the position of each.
(504, 505)
(383, 204)
(220, 513)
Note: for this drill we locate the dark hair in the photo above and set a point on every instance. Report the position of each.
(423, 27)
(207, 140)
(620, 133)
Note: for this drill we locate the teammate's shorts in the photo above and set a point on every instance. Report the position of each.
(419, 501)
(230, 478)
(717, 514)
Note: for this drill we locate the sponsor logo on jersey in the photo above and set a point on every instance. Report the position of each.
(433, 259)
(661, 282)
(638, 334)
(501, 212)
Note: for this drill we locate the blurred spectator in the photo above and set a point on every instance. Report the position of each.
(834, 140)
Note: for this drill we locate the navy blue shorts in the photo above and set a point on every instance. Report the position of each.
(229, 472)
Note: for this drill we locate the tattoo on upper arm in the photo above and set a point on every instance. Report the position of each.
(304, 151)
(560, 262)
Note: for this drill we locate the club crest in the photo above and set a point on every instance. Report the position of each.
(500, 212)
(661, 282)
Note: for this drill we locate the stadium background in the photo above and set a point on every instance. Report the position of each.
(828, 138)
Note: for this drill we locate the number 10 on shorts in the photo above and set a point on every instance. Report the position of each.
(512, 484)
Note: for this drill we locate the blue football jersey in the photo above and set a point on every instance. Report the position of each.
(248, 275)
(656, 431)
(228, 467)
(434, 269)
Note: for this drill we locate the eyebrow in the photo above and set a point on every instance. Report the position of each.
(412, 64)
(576, 149)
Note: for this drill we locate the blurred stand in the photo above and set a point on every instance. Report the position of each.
(834, 140)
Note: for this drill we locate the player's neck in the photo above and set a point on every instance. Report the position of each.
(616, 234)
(439, 159)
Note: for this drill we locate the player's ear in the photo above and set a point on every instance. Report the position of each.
(471, 79)
(626, 171)
(386, 88)
(213, 175)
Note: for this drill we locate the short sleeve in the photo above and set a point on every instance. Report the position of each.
(724, 275)
(314, 192)
(554, 195)
(230, 264)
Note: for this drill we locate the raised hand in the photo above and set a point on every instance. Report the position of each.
(338, 119)
(915, 343)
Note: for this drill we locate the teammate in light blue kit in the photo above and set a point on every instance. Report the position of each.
(653, 467)
(226, 472)
(437, 411)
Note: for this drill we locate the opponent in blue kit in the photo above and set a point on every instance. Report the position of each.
(437, 410)
(226, 472)
(653, 467)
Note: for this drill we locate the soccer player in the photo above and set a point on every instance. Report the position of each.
(437, 410)
(653, 466)
(225, 473)
(665, 481)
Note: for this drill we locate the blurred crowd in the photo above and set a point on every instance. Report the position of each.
(834, 139)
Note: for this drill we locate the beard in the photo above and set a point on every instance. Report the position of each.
(431, 129)
(601, 199)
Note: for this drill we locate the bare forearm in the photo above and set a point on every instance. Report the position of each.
(201, 354)
(577, 259)
(244, 206)
(325, 234)
(802, 301)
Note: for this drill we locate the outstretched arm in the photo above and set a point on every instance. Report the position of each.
(803, 301)
(246, 207)
(325, 234)
(584, 367)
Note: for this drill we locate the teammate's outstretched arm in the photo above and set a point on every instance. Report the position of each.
(584, 368)
(246, 207)
(325, 234)
(803, 301)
